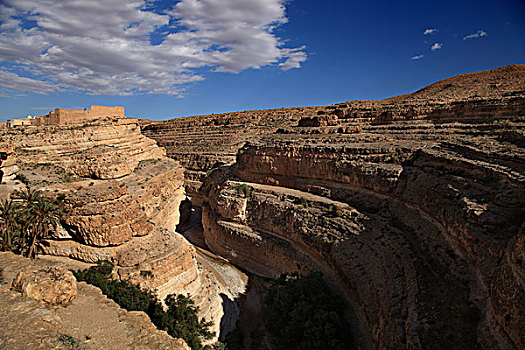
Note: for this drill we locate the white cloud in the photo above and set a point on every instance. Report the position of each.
(13, 81)
(430, 31)
(103, 47)
(418, 57)
(436, 46)
(295, 58)
(478, 34)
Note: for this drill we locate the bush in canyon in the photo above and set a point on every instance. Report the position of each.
(304, 314)
(244, 190)
(180, 319)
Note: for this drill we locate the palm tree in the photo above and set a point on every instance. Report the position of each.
(9, 222)
(29, 196)
(40, 215)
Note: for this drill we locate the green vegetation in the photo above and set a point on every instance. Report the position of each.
(180, 319)
(304, 314)
(244, 190)
(27, 219)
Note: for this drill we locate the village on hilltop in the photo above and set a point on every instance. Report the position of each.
(63, 116)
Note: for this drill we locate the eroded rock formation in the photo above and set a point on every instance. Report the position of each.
(52, 286)
(412, 206)
(123, 196)
(89, 321)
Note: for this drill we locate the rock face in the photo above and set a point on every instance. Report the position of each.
(417, 230)
(52, 286)
(203, 143)
(123, 197)
(412, 206)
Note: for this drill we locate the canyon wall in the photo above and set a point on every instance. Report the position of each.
(122, 196)
(420, 230)
(203, 143)
(411, 206)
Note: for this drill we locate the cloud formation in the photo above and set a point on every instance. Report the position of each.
(125, 47)
(430, 31)
(418, 57)
(478, 34)
(436, 46)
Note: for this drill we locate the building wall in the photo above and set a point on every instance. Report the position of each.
(18, 122)
(103, 111)
(63, 116)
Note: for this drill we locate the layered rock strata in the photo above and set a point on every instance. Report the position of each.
(122, 196)
(416, 223)
(203, 143)
(411, 206)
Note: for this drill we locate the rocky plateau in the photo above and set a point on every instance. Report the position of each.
(123, 198)
(412, 207)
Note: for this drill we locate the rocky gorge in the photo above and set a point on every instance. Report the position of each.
(123, 197)
(411, 207)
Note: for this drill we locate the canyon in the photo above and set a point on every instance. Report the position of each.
(122, 196)
(412, 207)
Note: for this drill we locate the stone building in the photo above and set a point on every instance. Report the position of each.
(63, 116)
(19, 122)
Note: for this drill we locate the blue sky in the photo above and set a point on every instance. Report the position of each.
(164, 59)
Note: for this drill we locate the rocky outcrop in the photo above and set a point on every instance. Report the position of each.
(52, 286)
(98, 151)
(419, 229)
(411, 206)
(122, 197)
(203, 143)
(90, 320)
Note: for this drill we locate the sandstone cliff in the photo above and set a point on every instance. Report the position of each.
(420, 233)
(411, 206)
(123, 197)
(202, 143)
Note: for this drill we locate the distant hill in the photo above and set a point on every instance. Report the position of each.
(499, 82)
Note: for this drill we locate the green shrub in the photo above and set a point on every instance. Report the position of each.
(180, 320)
(244, 190)
(304, 314)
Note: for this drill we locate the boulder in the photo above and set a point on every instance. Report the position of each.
(51, 285)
